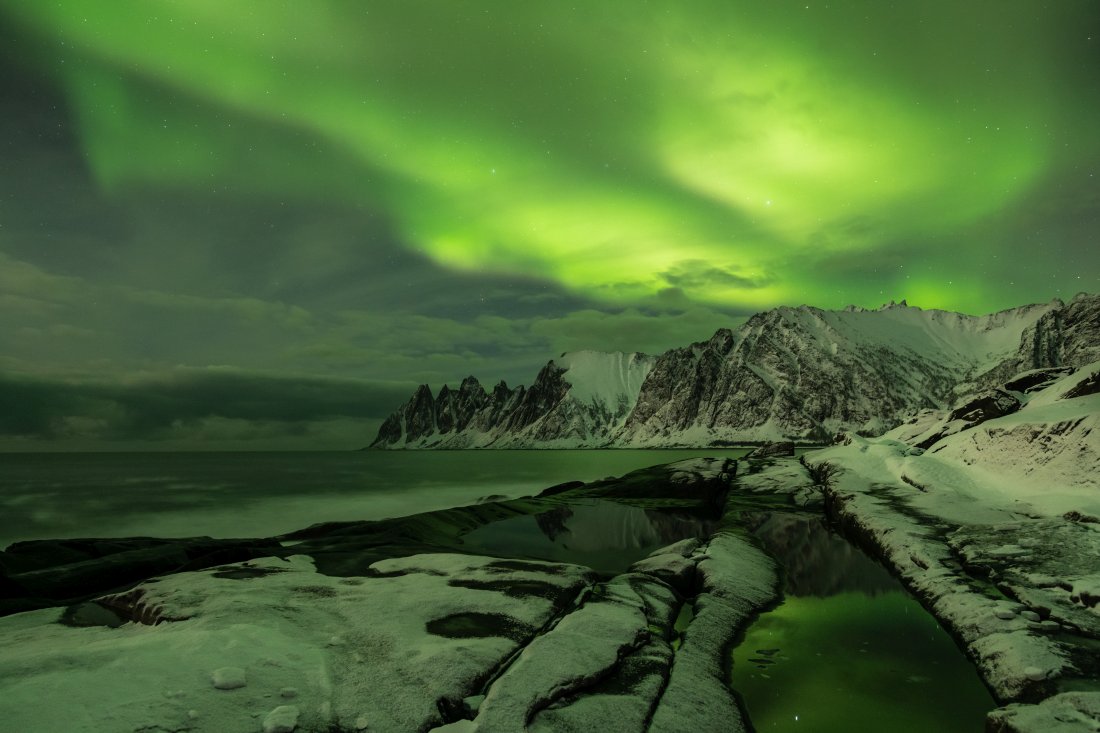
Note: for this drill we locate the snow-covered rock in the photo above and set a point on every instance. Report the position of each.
(1045, 454)
(382, 626)
(416, 631)
(585, 647)
(1066, 335)
(228, 678)
(737, 579)
(773, 450)
(1069, 712)
(283, 719)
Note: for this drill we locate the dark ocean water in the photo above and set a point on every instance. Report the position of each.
(61, 495)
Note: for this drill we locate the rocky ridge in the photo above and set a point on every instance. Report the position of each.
(787, 374)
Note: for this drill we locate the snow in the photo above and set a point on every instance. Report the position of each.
(353, 648)
(1069, 712)
(228, 678)
(738, 580)
(1016, 658)
(1043, 459)
(967, 342)
(613, 379)
(586, 645)
(283, 719)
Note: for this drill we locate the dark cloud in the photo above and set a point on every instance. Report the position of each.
(183, 401)
(692, 274)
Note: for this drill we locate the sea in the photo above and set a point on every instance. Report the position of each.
(262, 494)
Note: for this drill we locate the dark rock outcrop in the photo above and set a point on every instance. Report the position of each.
(470, 408)
(773, 450)
(985, 406)
(1036, 379)
(976, 410)
(44, 573)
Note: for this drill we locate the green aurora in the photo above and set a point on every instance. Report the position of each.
(506, 180)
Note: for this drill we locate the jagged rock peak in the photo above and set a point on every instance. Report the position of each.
(470, 384)
(722, 340)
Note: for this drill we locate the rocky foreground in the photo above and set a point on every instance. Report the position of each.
(394, 625)
(989, 513)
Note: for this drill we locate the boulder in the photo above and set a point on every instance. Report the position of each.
(773, 450)
(985, 406)
(973, 411)
(1034, 380)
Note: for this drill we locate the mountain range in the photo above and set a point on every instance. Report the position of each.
(791, 373)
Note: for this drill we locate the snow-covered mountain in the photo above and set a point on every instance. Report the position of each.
(788, 373)
(580, 401)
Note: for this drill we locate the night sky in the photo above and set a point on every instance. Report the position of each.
(260, 224)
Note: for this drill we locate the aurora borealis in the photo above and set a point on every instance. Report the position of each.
(408, 191)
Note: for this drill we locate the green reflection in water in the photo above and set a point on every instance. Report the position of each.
(856, 662)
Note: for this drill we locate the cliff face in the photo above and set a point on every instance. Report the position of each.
(789, 373)
(1067, 335)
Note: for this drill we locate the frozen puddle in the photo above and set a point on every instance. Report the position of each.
(848, 648)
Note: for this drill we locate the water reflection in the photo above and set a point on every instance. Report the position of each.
(818, 562)
(604, 535)
(848, 649)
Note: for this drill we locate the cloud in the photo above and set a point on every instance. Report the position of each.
(189, 404)
(631, 329)
(700, 274)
